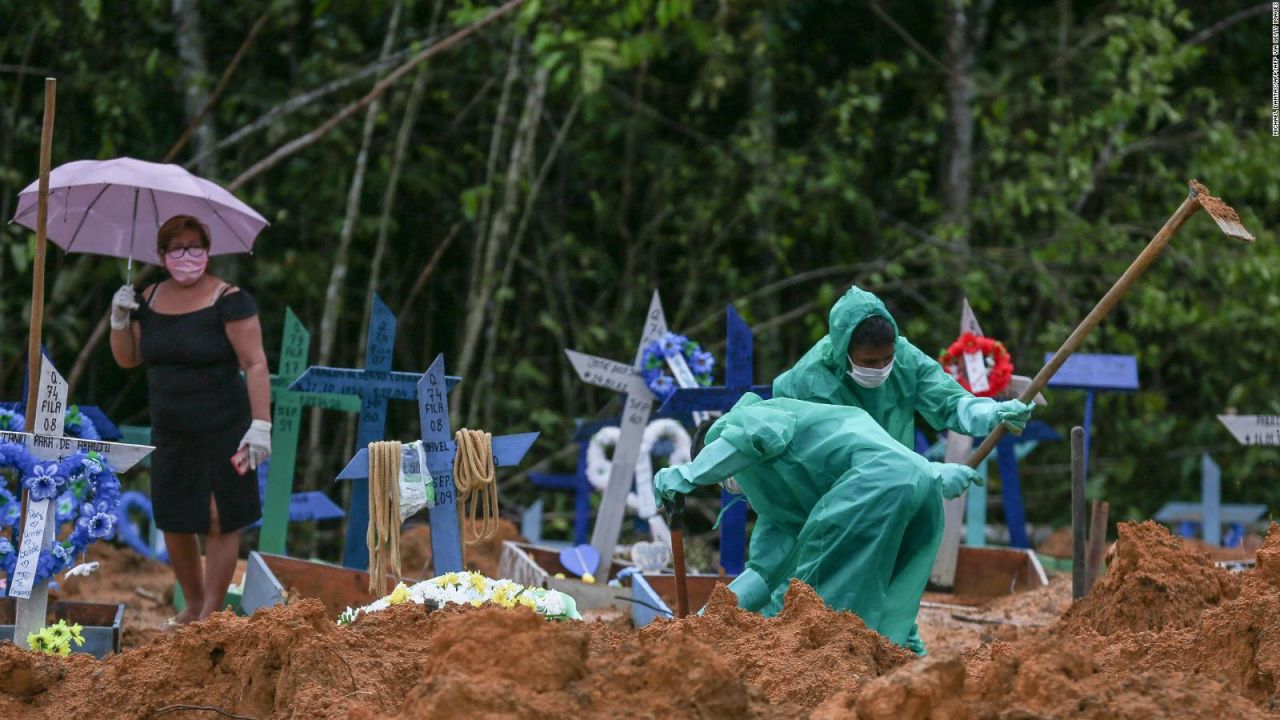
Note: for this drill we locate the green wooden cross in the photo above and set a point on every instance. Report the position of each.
(286, 422)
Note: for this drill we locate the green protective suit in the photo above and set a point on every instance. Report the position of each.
(917, 384)
(840, 505)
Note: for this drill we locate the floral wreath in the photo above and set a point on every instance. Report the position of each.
(997, 359)
(84, 489)
(654, 368)
(77, 423)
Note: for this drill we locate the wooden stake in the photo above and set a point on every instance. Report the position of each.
(37, 276)
(1097, 544)
(677, 554)
(42, 232)
(1077, 514)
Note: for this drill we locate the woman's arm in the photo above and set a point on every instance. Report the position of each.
(125, 344)
(246, 338)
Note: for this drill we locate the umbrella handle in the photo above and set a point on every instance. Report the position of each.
(128, 270)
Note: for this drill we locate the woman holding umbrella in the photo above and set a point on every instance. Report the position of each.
(210, 426)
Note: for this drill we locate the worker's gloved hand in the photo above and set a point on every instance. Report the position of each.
(258, 439)
(1014, 415)
(914, 643)
(954, 479)
(669, 482)
(123, 303)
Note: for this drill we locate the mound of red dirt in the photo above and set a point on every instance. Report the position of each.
(292, 661)
(1153, 581)
(1235, 642)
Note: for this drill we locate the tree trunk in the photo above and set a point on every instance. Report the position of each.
(475, 295)
(194, 75)
(403, 135)
(966, 28)
(518, 164)
(338, 274)
(763, 175)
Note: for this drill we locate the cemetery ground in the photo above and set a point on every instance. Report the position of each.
(1166, 632)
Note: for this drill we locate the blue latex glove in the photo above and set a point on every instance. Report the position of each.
(955, 478)
(669, 482)
(1014, 415)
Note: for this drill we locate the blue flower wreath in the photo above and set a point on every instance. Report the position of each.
(654, 363)
(85, 491)
(77, 423)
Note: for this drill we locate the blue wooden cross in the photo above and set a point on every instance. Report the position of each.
(738, 371)
(439, 448)
(374, 385)
(1092, 373)
(1210, 514)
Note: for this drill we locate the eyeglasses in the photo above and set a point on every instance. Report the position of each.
(195, 252)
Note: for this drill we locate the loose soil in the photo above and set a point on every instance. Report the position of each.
(1165, 633)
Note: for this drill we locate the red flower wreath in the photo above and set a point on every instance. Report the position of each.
(999, 363)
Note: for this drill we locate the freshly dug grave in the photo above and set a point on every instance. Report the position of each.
(292, 661)
(1154, 581)
(145, 586)
(1164, 634)
(1234, 640)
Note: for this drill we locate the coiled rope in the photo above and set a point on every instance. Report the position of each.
(473, 476)
(384, 515)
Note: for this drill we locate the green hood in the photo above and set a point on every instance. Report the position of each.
(717, 428)
(856, 305)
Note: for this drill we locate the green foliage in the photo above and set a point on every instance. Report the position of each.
(758, 152)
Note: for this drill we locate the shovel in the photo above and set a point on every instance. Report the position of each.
(675, 513)
(1228, 221)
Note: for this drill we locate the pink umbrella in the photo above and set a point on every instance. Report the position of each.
(114, 207)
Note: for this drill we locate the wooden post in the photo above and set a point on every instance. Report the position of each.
(1097, 544)
(1077, 513)
(34, 331)
(42, 231)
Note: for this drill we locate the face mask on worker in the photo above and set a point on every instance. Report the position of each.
(186, 270)
(869, 377)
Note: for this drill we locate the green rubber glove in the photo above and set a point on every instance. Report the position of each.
(954, 479)
(1014, 415)
(669, 482)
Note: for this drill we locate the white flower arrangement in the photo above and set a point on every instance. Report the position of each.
(472, 588)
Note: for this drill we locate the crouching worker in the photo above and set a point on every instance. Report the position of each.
(841, 505)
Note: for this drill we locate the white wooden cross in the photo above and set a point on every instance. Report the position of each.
(959, 447)
(637, 405)
(40, 524)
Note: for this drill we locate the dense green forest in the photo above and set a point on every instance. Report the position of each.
(525, 189)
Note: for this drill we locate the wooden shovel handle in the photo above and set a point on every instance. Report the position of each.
(677, 555)
(1095, 317)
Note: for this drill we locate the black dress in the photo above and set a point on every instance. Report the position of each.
(199, 413)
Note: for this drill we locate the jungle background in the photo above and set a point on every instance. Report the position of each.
(525, 190)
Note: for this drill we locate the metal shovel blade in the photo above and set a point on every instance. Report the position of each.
(1222, 213)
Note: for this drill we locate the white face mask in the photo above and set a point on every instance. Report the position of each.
(869, 377)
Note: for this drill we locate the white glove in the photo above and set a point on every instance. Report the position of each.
(258, 439)
(124, 302)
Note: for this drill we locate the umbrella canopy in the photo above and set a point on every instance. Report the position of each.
(114, 207)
